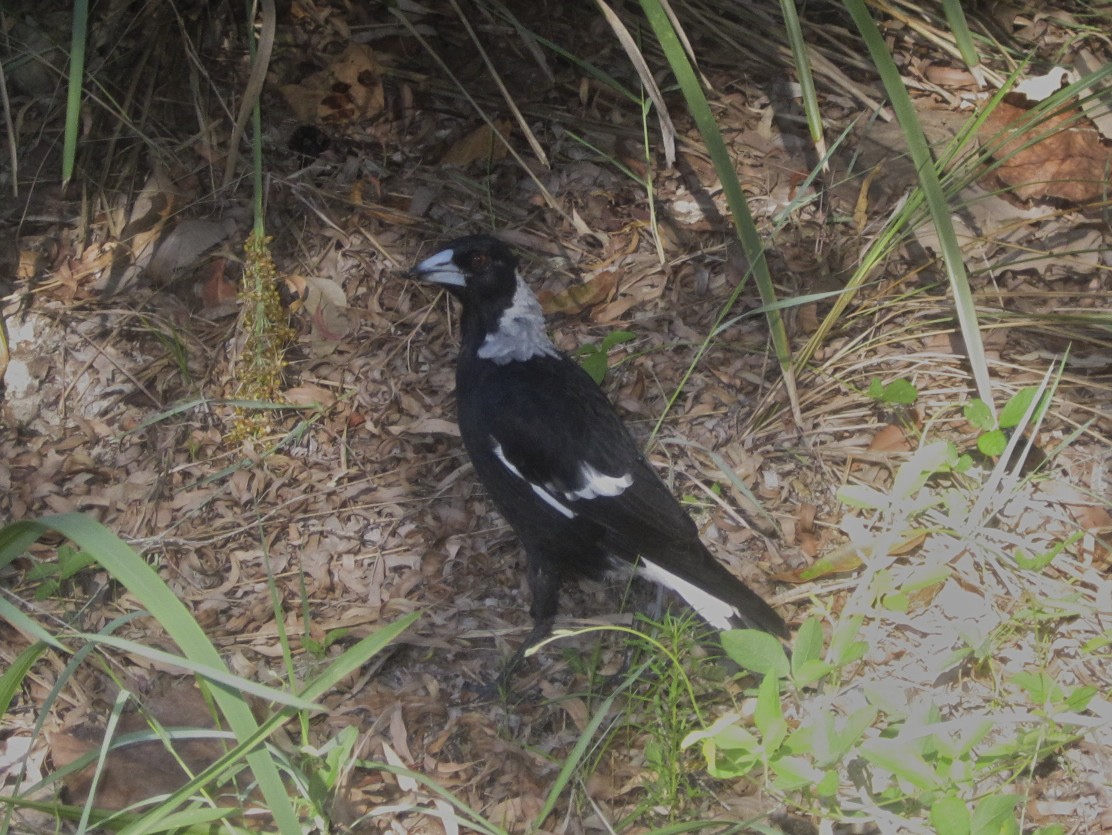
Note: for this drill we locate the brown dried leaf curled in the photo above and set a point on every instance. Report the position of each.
(1062, 157)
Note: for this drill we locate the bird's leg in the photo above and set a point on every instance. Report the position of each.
(545, 586)
(540, 631)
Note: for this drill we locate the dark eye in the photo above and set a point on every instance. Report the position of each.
(477, 261)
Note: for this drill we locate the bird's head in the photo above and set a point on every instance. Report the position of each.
(478, 268)
(502, 319)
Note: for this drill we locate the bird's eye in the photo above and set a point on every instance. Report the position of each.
(478, 261)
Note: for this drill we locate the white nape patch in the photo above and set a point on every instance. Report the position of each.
(543, 494)
(521, 334)
(598, 484)
(714, 611)
(440, 269)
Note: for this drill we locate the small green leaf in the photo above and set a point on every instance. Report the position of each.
(1016, 407)
(844, 646)
(794, 773)
(854, 728)
(995, 815)
(902, 759)
(829, 784)
(950, 816)
(898, 392)
(808, 672)
(807, 645)
(1041, 688)
(594, 363)
(992, 443)
(729, 749)
(1078, 700)
(1038, 563)
(769, 716)
(979, 414)
(615, 338)
(755, 650)
(897, 602)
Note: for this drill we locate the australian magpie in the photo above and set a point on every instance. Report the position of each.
(557, 460)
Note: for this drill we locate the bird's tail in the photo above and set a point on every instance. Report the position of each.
(721, 599)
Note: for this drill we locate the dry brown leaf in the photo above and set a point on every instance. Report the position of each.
(578, 297)
(329, 316)
(183, 247)
(889, 438)
(217, 292)
(479, 145)
(429, 426)
(1061, 157)
(847, 558)
(309, 395)
(161, 771)
(808, 317)
(349, 89)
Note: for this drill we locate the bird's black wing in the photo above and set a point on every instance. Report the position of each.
(553, 428)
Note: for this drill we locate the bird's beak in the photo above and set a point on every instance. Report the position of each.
(439, 269)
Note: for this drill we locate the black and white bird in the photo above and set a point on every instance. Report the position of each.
(557, 460)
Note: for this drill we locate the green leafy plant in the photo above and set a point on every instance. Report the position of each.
(895, 393)
(595, 358)
(228, 692)
(918, 764)
(52, 574)
(993, 437)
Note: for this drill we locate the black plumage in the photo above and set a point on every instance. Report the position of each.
(556, 459)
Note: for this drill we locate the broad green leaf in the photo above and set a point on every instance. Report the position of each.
(729, 749)
(807, 645)
(992, 443)
(829, 784)
(809, 672)
(1078, 700)
(979, 414)
(995, 815)
(1042, 689)
(897, 392)
(902, 759)
(844, 646)
(794, 773)
(615, 338)
(594, 363)
(769, 716)
(950, 816)
(1017, 407)
(756, 651)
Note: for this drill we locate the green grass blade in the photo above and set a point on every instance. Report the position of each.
(586, 739)
(79, 35)
(731, 187)
(220, 676)
(959, 27)
(806, 79)
(129, 569)
(12, 678)
(350, 661)
(932, 193)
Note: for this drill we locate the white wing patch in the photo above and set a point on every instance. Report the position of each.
(543, 494)
(520, 334)
(597, 484)
(714, 611)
